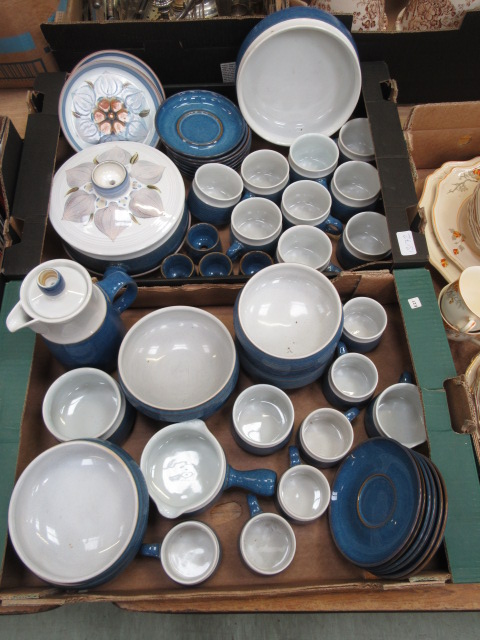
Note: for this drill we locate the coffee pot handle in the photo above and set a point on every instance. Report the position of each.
(115, 279)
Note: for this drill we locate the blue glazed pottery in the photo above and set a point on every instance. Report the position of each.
(186, 470)
(202, 238)
(254, 261)
(256, 224)
(80, 323)
(215, 265)
(365, 320)
(176, 266)
(82, 490)
(216, 189)
(377, 502)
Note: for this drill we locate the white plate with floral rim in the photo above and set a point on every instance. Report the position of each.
(436, 255)
(452, 190)
(106, 102)
(129, 225)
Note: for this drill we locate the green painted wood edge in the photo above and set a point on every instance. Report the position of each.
(16, 353)
(452, 452)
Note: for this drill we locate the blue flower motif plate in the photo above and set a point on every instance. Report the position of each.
(200, 124)
(377, 499)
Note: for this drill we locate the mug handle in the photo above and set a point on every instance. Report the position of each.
(150, 550)
(406, 376)
(341, 349)
(260, 481)
(253, 506)
(247, 194)
(332, 268)
(469, 326)
(235, 250)
(294, 455)
(351, 414)
(115, 278)
(332, 225)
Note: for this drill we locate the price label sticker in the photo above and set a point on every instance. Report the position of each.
(414, 303)
(406, 243)
(228, 72)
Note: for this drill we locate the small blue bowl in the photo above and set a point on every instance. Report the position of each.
(176, 266)
(215, 265)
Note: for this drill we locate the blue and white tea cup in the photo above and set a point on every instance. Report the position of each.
(310, 246)
(355, 187)
(313, 156)
(365, 239)
(364, 321)
(351, 379)
(256, 224)
(355, 141)
(216, 188)
(265, 173)
(309, 203)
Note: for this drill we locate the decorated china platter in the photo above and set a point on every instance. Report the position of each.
(300, 75)
(127, 224)
(452, 191)
(108, 101)
(200, 124)
(112, 55)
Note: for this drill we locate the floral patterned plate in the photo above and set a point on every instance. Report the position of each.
(451, 192)
(129, 224)
(105, 102)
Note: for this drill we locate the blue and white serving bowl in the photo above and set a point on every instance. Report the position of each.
(120, 203)
(288, 319)
(78, 513)
(178, 363)
(297, 72)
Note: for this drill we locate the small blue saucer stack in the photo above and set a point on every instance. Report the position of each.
(199, 126)
(389, 508)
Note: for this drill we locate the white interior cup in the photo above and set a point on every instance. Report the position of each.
(256, 221)
(303, 493)
(304, 244)
(326, 435)
(217, 185)
(365, 319)
(190, 553)
(306, 202)
(355, 140)
(263, 416)
(267, 544)
(313, 155)
(366, 236)
(353, 378)
(265, 172)
(398, 414)
(355, 183)
(83, 403)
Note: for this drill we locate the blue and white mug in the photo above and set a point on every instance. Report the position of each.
(309, 203)
(256, 224)
(365, 239)
(265, 173)
(313, 156)
(355, 187)
(216, 188)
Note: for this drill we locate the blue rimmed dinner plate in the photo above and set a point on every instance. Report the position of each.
(199, 123)
(376, 502)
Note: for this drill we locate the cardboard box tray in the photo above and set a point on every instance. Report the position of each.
(319, 578)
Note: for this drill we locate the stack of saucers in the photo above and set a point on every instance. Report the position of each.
(199, 126)
(110, 96)
(389, 509)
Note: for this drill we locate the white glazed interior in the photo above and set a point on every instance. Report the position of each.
(306, 202)
(280, 91)
(217, 185)
(398, 414)
(290, 311)
(355, 183)
(313, 155)
(303, 493)
(353, 377)
(267, 543)
(184, 467)
(304, 244)
(83, 403)
(190, 553)
(263, 415)
(264, 171)
(366, 235)
(365, 319)
(355, 140)
(176, 358)
(256, 221)
(470, 290)
(326, 434)
(73, 512)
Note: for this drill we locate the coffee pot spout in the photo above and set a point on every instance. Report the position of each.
(18, 319)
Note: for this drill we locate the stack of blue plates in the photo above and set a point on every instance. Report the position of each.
(389, 509)
(198, 126)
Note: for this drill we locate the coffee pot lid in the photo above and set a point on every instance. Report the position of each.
(56, 290)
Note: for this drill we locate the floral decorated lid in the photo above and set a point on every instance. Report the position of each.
(116, 200)
(107, 101)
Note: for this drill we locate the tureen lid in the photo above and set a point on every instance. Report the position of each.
(56, 290)
(137, 215)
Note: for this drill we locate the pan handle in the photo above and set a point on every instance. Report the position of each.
(260, 481)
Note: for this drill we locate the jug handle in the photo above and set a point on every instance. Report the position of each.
(115, 279)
